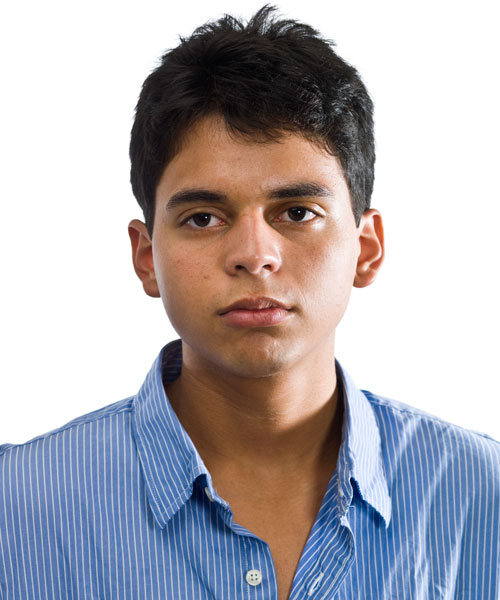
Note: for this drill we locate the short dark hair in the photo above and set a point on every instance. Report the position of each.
(266, 77)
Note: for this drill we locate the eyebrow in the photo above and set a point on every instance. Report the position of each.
(293, 190)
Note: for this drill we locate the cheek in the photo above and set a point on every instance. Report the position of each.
(180, 270)
(328, 274)
(181, 280)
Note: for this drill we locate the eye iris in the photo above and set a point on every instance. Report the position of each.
(201, 219)
(297, 213)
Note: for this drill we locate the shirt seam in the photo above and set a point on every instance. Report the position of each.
(49, 434)
(429, 417)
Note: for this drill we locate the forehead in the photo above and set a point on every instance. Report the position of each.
(212, 156)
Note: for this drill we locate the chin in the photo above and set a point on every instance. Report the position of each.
(254, 369)
(252, 356)
(258, 358)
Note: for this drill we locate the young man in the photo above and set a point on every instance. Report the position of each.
(249, 465)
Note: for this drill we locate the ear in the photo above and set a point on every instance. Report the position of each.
(142, 257)
(371, 242)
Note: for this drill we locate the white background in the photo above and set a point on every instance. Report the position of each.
(78, 332)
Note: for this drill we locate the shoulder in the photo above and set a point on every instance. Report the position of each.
(83, 422)
(415, 437)
(401, 415)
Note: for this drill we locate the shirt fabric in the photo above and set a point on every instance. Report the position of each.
(118, 504)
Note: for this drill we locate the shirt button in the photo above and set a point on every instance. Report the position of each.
(209, 495)
(253, 577)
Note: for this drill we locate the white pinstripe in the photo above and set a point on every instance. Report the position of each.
(112, 505)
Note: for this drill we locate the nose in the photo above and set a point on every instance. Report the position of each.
(252, 246)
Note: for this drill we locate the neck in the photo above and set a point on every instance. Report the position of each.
(285, 424)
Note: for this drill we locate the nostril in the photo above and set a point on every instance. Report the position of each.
(253, 264)
(267, 267)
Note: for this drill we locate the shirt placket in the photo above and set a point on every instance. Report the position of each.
(330, 548)
(257, 576)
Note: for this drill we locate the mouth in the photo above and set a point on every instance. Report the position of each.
(255, 312)
(257, 303)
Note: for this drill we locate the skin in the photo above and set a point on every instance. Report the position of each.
(260, 404)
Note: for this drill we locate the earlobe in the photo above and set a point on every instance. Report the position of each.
(371, 241)
(142, 257)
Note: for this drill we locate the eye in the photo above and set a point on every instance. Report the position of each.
(202, 220)
(297, 214)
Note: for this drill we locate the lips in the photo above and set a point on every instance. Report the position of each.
(255, 312)
(258, 303)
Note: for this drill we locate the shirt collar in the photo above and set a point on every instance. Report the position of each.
(168, 457)
(171, 463)
(360, 455)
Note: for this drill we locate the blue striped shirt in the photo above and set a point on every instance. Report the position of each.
(119, 504)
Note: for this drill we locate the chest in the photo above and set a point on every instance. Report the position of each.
(286, 549)
(285, 528)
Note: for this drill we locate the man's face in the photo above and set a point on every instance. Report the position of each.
(238, 219)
